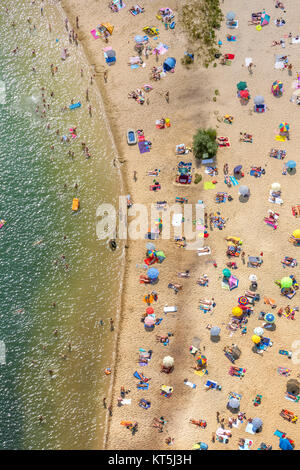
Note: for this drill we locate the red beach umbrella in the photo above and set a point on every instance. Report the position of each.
(244, 94)
(149, 310)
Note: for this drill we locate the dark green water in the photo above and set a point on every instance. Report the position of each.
(36, 192)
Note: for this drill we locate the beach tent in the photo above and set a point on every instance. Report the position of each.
(265, 19)
(285, 444)
(277, 88)
(169, 64)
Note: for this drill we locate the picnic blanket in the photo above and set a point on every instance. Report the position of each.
(144, 146)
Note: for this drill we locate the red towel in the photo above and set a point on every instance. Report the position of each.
(230, 56)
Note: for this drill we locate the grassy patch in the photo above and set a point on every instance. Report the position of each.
(200, 19)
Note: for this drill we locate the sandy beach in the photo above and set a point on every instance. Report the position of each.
(191, 106)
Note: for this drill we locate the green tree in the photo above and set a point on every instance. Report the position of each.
(204, 141)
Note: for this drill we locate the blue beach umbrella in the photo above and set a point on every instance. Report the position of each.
(270, 318)
(152, 273)
(285, 444)
(291, 164)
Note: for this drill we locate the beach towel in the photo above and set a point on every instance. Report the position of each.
(248, 61)
(142, 386)
(280, 138)
(201, 373)
(209, 185)
(95, 34)
(233, 181)
(279, 65)
(143, 147)
(126, 401)
(296, 40)
(190, 384)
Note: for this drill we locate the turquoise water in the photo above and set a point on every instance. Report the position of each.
(37, 188)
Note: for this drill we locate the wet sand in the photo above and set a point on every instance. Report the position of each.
(191, 106)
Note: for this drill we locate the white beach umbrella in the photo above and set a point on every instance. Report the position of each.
(252, 278)
(168, 361)
(276, 186)
(259, 331)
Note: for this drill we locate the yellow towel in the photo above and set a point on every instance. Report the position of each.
(209, 185)
(200, 372)
(280, 138)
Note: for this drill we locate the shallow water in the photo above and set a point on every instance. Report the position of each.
(37, 188)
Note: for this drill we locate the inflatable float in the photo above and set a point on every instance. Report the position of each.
(75, 105)
(75, 204)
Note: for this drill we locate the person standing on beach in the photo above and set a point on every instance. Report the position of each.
(110, 410)
(104, 402)
(167, 96)
(105, 76)
(90, 110)
(87, 94)
(66, 24)
(77, 22)
(112, 327)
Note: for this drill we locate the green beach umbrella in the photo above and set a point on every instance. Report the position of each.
(226, 272)
(241, 86)
(286, 282)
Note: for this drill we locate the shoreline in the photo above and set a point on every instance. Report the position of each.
(187, 114)
(67, 9)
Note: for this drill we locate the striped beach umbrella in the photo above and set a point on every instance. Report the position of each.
(243, 300)
(284, 126)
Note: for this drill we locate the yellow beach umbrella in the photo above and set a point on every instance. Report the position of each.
(296, 233)
(237, 311)
(256, 339)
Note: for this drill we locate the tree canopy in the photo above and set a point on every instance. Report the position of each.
(204, 142)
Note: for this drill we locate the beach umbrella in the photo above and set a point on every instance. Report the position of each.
(168, 361)
(230, 16)
(284, 126)
(252, 278)
(138, 38)
(256, 339)
(296, 233)
(152, 273)
(237, 311)
(276, 186)
(258, 331)
(277, 88)
(226, 272)
(286, 282)
(265, 19)
(234, 403)
(292, 386)
(201, 360)
(270, 318)
(259, 99)
(291, 164)
(241, 86)
(244, 94)
(149, 311)
(215, 331)
(243, 300)
(244, 191)
(285, 444)
(256, 424)
(149, 321)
